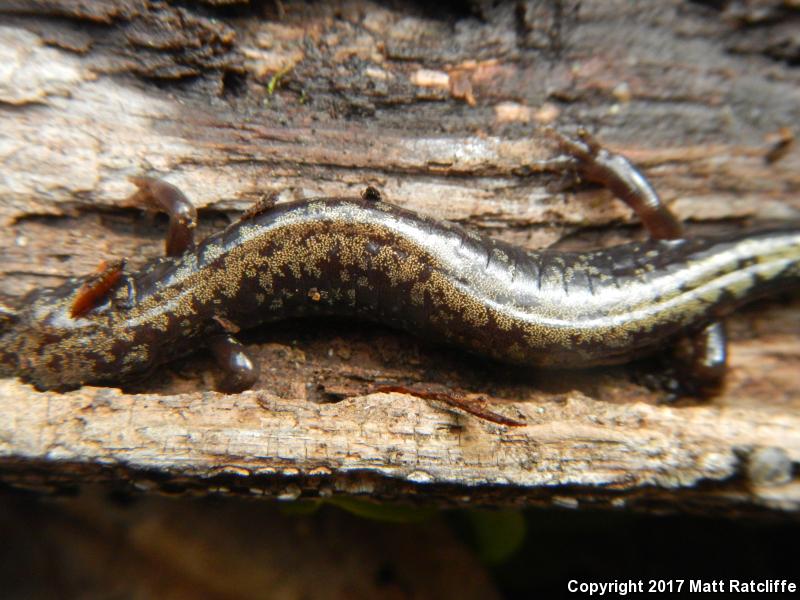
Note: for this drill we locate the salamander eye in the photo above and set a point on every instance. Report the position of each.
(126, 294)
(371, 194)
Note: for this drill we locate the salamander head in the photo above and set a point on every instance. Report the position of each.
(47, 343)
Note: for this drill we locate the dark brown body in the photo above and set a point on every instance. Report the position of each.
(373, 260)
(364, 258)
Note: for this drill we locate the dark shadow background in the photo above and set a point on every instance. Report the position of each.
(97, 544)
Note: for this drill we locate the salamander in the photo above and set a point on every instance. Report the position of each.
(366, 258)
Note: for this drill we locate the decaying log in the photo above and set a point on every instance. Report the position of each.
(440, 111)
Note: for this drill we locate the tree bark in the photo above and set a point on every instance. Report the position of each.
(438, 108)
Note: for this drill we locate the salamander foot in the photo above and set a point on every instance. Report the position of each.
(241, 371)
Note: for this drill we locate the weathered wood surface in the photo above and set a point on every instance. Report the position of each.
(439, 110)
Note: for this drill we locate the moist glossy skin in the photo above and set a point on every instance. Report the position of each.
(369, 259)
(364, 258)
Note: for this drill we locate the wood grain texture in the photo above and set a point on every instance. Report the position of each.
(439, 110)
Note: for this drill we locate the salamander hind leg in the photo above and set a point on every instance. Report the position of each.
(598, 165)
(696, 367)
(702, 360)
(160, 195)
(241, 371)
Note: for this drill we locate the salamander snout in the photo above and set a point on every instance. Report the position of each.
(8, 362)
(44, 344)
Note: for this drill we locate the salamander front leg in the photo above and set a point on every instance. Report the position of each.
(241, 371)
(160, 195)
(598, 165)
